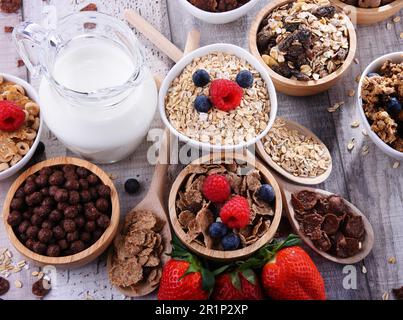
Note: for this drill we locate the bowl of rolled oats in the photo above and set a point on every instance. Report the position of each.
(366, 12)
(218, 98)
(380, 102)
(305, 45)
(218, 11)
(225, 207)
(20, 124)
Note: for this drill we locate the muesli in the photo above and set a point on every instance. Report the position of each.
(19, 123)
(221, 208)
(329, 223)
(367, 3)
(219, 99)
(382, 99)
(218, 5)
(296, 153)
(304, 40)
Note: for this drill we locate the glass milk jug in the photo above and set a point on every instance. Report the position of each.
(96, 94)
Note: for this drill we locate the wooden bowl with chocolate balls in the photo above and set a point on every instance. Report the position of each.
(366, 12)
(225, 207)
(62, 212)
(306, 46)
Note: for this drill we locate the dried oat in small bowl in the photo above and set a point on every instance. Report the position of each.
(225, 210)
(218, 98)
(381, 103)
(20, 124)
(305, 45)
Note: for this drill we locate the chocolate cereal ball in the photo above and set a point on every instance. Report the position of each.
(53, 250)
(74, 197)
(103, 221)
(92, 179)
(42, 181)
(61, 195)
(44, 235)
(39, 248)
(30, 187)
(57, 179)
(102, 205)
(90, 226)
(47, 224)
(85, 237)
(71, 212)
(84, 185)
(20, 193)
(69, 168)
(34, 199)
(63, 244)
(72, 236)
(53, 190)
(58, 233)
(69, 225)
(55, 216)
(85, 196)
(48, 202)
(46, 171)
(104, 191)
(62, 206)
(94, 193)
(80, 221)
(36, 220)
(14, 218)
(27, 214)
(30, 244)
(72, 185)
(22, 228)
(17, 204)
(45, 192)
(32, 232)
(91, 213)
(77, 246)
(82, 172)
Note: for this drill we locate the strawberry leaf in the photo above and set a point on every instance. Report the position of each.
(236, 280)
(249, 275)
(208, 280)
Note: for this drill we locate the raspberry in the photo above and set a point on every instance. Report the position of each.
(216, 188)
(225, 95)
(235, 214)
(11, 116)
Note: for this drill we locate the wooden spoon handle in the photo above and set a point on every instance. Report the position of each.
(152, 34)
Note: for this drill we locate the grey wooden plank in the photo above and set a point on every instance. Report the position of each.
(309, 111)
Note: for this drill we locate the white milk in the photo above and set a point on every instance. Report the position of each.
(97, 132)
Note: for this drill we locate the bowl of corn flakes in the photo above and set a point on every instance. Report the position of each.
(20, 124)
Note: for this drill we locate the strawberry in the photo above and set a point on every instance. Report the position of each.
(237, 285)
(290, 274)
(184, 277)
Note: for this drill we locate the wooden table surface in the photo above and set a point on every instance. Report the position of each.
(370, 182)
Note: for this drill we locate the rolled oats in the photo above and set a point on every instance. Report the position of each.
(218, 127)
(296, 153)
(305, 40)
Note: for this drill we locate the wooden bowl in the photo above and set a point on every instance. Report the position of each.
(296, 87)
(85, 256)
(367, 16)
(217, 255)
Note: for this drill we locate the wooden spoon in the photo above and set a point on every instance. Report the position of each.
(291, 125)
(154, 199)
(288, 189)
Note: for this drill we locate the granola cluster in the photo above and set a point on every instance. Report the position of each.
(304, 40)
(196, 213)
(14, 145)
(378, 92)
(218, 127)
(218, 5)
(367, 3)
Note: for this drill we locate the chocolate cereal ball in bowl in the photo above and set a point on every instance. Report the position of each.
(20, 124)
(225, 207)
(219, 98)
(306, 46)
(380, 103)
(62, 212)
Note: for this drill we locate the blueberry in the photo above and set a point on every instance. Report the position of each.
(394, 106)
(202, 104)
(230, 242)
(201, 78)
(245, 79)
(266, 193)
(372, 74)
(218, 230)
(132, 186)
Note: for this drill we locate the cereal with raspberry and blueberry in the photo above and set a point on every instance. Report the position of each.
(221, 209)
(19, 123)
(219, 99)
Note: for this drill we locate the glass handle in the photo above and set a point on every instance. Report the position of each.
(30, 39)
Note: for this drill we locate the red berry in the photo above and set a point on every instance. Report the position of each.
(11, 116)
(235, 214)
(216, 188)
(226, 95)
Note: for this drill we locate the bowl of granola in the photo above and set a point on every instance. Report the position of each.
(218, 97)
(306, 46)
(20, 124)
(380, 101)
(225, 207)
(366, 12)
(218, 11)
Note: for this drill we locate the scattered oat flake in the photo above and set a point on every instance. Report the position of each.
(365, 150)
(356, 61)
(396, 19)
(351, 144)
(389, 26)
(364, 132)
(364, 269)
(392, 260)
(355, 124)
(385, 296)
(335, 107)
(18, 284)
(351, 93)
(396, 165)
(35, 273)
(358, 78)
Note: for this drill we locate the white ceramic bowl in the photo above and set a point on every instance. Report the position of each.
(218, 17)
(32, 94)
(374, 67)
(203, 51)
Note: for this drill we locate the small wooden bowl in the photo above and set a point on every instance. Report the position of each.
(367, 16)
(217, 255)
(85, 256)
(296, 87)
